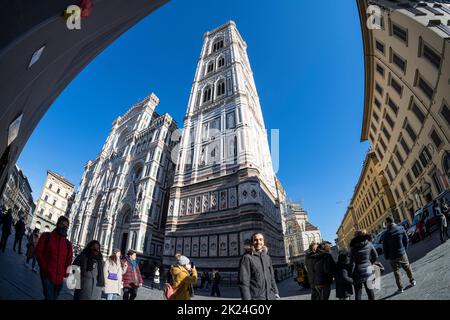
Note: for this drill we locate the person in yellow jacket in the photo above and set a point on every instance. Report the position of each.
(184, 275)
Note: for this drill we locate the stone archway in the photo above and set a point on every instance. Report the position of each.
(93, 221)
(122, 236)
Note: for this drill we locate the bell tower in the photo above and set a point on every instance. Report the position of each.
(224, 187)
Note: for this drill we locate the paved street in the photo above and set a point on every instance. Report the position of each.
(431, 270)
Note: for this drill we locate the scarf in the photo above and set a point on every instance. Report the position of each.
(134, 264)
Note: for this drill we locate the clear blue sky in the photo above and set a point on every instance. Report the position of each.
(307, 61)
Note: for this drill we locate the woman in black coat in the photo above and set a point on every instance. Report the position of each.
(362, 256)
(92, 279)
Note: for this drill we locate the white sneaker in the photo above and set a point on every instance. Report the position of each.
(400, 290)
(413, 283)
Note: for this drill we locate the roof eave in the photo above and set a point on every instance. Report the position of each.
(368, 68)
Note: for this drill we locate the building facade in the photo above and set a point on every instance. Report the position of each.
(224, 188)
(372, 202)
(17, 196)
(346, 230)
(123, 195)
(299, 232)
(407, 97)
(52, 202)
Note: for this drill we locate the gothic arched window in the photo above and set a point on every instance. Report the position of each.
(220, 88)
(207, 93)
(218, 44)
(197, 102)
(221, 62)
(137, 174)
(126, 216)
(210, 67)
(134, 240)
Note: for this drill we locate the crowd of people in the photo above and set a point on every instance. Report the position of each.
(98, 278)
(112, 277)
(117, 275)
(441, 211)
(211, 281)
(357, 268)
(53, 253)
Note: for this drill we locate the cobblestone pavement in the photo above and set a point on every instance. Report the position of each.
(430, 263)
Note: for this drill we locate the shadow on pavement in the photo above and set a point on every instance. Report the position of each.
(390, 296)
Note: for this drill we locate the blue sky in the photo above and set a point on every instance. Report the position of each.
(308, 70)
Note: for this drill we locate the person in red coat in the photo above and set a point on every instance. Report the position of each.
(54, 256)
(132, 278)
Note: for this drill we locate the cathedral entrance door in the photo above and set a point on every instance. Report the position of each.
(123, 245)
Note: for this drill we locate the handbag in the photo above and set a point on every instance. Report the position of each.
(112, 276)
(168, 291)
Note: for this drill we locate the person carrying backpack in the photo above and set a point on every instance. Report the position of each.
(184, 275)
(54, 255)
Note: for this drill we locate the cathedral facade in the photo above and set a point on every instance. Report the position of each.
(124, 192)
(224, 187)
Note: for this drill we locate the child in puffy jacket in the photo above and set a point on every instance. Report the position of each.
(344, 282)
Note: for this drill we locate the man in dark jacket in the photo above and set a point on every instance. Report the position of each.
(324, 269)
(256, 275)
(20, 231)
(6, 229)
(309, 266)
(54, 255)
(395, 243)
